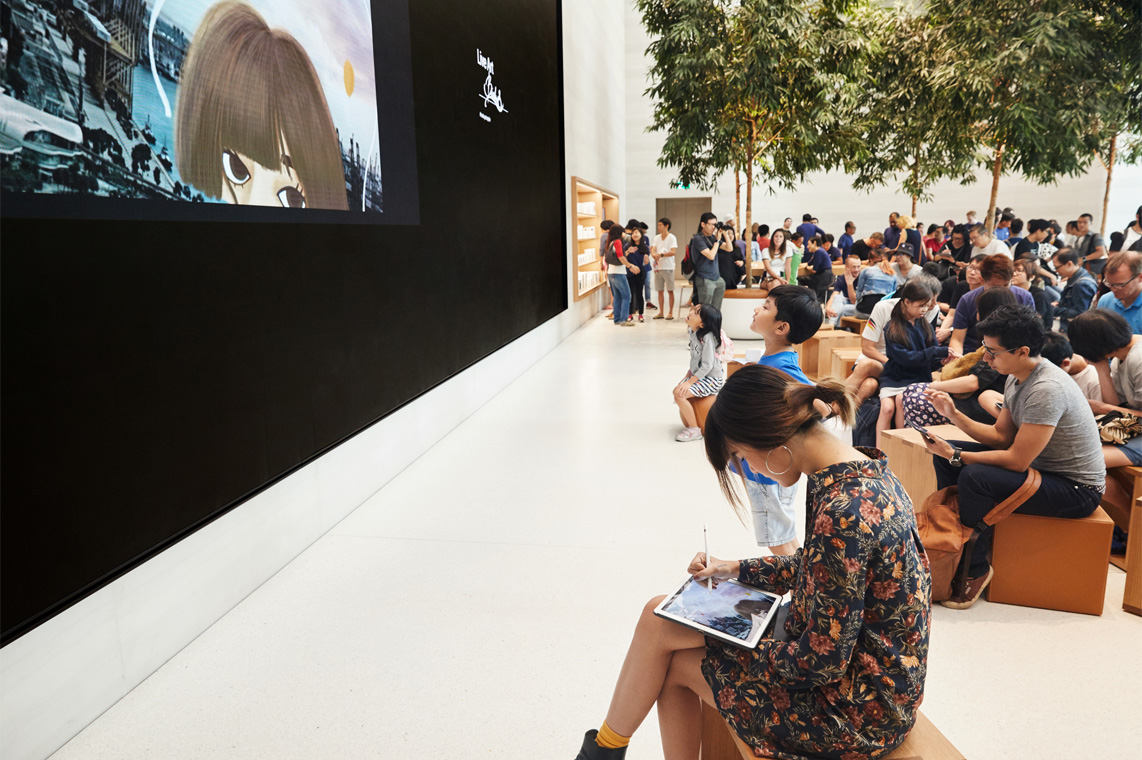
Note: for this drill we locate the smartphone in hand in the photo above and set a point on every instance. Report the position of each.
(929, 437)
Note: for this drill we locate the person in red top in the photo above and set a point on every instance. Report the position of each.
(934, 240)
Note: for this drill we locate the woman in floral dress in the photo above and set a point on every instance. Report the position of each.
(847, 679)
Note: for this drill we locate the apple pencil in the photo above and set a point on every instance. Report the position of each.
(706, 547)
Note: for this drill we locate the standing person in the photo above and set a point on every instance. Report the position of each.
(847, 240)
(1045, 423)
(787, 225)
(912, 351)
(1079, 290)
(709, 287)
(865, 246)
(617, 268)
(808, 228)
(731, 263)
(638, 254)
(1123, 275)
(862, 576)
(844, 299)
(706, 373)
(664, 250)
(605, 226)
(1089, 245)
(892, 232)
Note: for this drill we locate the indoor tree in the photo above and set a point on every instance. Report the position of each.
(912, 131)
(756, 83)
(1016, 69)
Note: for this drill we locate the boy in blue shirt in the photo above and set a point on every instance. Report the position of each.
(789, 316)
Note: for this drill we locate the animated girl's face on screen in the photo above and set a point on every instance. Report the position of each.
(253, 126)
(249, 183)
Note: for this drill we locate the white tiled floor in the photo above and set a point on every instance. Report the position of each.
(481, 603)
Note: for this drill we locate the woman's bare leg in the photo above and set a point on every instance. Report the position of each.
(680, 705)
(884, 421)
(643, 674)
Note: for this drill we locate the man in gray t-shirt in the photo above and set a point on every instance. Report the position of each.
(1045, 424)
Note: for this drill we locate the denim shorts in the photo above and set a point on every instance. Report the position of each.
(773, 513)
(1133, 450)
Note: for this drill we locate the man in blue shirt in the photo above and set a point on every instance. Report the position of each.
(846, 241)
(1123, 275)
(1079, 289)
(892, 233)
(807, 228)
(996, 271)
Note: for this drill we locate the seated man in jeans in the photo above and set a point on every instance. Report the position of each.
(1045, 423)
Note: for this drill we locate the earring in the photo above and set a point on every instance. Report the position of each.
(773, 471)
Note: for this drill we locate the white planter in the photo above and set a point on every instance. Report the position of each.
(737, 314)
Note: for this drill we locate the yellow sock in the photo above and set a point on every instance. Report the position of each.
(608, 739)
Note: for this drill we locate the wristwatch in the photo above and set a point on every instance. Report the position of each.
(956, 459)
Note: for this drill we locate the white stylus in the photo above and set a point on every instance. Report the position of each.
(706, 547)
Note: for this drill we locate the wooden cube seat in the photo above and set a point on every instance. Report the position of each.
(856, 324)
(925, 742)
(1052, 563)
(842, 362)
(814, 353)
(701, 409)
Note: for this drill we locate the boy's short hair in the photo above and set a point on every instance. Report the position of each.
(1016, 226)
(1014, 327)
(997, 265)
(799, 308)
(1098, 333)
(795, 235)
(1056, 348)
(665, 221)
(877, 236)
(1035, 225)
(606, 224)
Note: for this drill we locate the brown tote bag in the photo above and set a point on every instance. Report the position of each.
(949, 543)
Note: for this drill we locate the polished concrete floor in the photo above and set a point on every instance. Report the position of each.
(479, 606)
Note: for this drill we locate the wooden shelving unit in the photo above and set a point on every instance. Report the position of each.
(593, 204)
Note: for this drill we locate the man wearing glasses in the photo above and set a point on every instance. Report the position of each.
(1045, 423)
(1123, 275)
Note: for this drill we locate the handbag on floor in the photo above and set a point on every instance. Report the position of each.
(949, 543)
(1117, 428)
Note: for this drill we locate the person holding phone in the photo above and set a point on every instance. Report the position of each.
(1045, 423)
(849, 677)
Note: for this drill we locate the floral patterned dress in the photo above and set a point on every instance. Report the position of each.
(848, 682)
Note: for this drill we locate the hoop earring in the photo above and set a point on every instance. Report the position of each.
(773, 471)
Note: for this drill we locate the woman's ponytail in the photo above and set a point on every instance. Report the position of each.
(833, 395)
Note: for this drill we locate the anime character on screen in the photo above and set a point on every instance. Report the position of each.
(252, 124)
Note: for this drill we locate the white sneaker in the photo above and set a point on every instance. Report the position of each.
(689, 434)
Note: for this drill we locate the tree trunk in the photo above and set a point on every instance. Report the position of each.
(913, 214)
(1109, 177)
(748, 222)
(737, 196)
(996, 170)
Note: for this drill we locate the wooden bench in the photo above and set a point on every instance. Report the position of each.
(842, 362)
(911, 462)
(855, 324)
(814, 354)
(924, 742)
(1131, 479)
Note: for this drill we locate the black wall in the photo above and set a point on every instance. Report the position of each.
(156, 373)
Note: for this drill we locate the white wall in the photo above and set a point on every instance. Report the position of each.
(831, 197)
(65, 673)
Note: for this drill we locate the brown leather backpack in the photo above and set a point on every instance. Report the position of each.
(949, 543)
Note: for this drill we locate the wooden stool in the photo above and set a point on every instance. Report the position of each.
(1131, 477)
(701, 409)
(1051, 562)
(856, 324)
(732, 367)
(814, 353)
(842, 362)
(924, 742)
(911, 462)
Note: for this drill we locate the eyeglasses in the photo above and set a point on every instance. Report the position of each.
(1119, 285)
(994, 353)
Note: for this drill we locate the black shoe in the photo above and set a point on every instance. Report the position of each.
(652, 306)
(592, 751)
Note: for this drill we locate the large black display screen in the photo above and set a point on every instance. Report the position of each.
(345, 204)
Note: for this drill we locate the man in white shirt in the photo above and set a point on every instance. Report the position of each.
(664, 249)
(983, 242)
